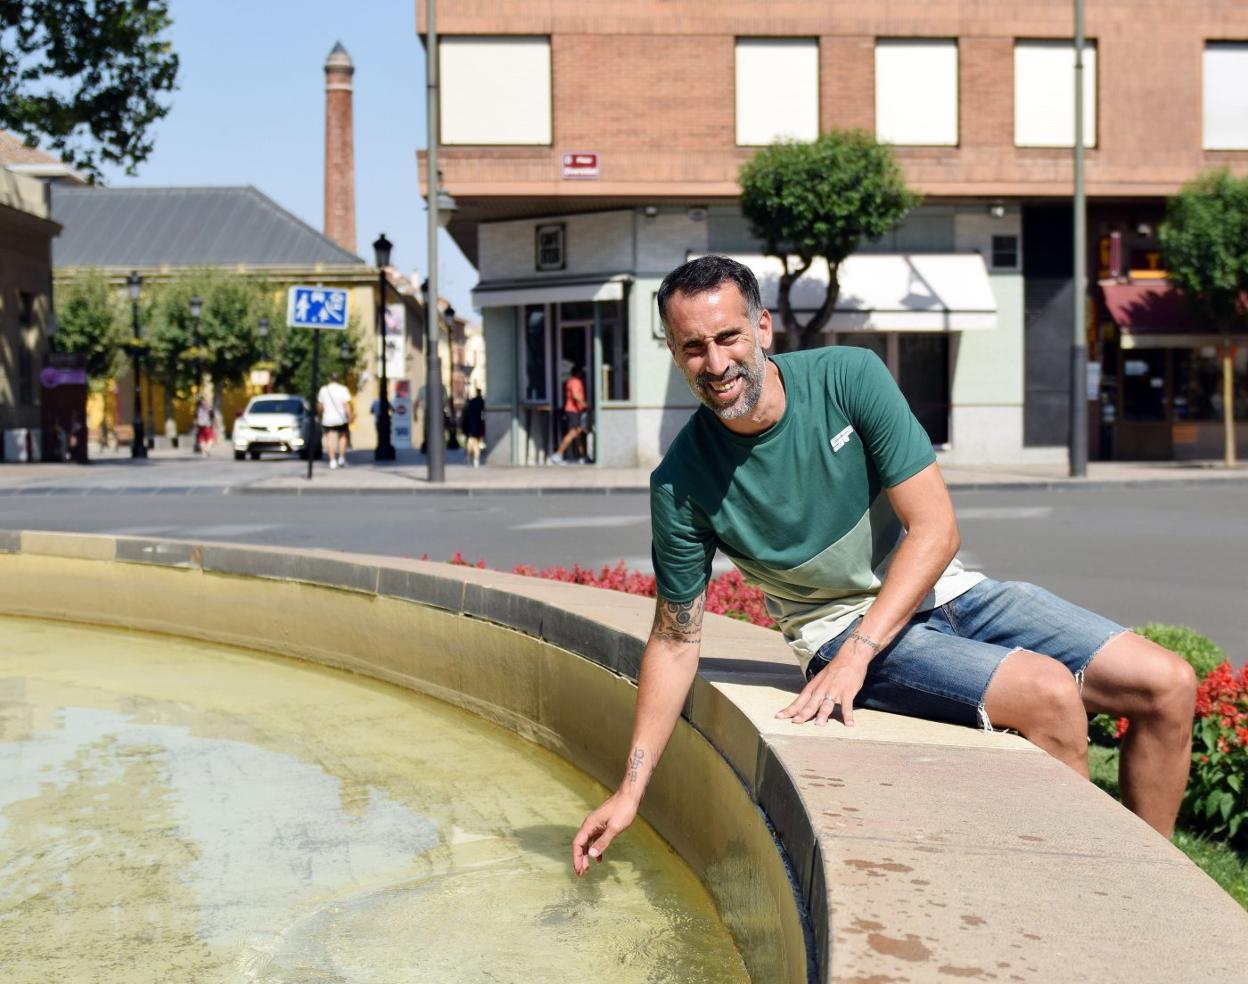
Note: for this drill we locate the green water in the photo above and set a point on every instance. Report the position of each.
(177, 811)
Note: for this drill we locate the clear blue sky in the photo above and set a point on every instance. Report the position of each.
(250, 109)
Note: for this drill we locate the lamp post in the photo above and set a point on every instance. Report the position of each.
(138, 442)
(196, 306)
(385, 448)
(263, 326)
(1079, 343)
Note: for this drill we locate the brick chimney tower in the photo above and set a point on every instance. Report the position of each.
(339, 150)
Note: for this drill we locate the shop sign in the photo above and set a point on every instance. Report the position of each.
(580, 164)
(54, 376)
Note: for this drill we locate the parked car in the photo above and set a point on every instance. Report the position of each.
(272, 422)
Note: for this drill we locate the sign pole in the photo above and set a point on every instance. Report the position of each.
(314, 433)
(435, 446)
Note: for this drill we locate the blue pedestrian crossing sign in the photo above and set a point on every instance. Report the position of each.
(316, 307)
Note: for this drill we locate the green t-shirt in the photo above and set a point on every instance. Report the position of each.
(799, 509)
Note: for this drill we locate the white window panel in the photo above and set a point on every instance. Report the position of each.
(1226, 95)
(495, 90)
(1044, 94)
(916, 92)
(777, 90)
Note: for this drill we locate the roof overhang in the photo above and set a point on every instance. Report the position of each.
(498, 293)
(890, 291)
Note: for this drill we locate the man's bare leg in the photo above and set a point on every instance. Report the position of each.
(1038, 697)
(1137, 679)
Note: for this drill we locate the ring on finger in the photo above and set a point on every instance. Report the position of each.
(830, 699)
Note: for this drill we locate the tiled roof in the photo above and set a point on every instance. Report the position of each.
(13, 151)
(184, 227)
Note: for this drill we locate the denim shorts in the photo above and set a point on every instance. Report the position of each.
(940, 665)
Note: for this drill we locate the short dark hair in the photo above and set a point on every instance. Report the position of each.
(705, 274)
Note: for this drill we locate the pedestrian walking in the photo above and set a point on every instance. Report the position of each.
(205, 426)
(474, 427)
(333, 404)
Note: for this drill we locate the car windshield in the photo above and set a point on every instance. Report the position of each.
(276, 406)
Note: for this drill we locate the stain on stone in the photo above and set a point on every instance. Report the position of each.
(1033, 936)
(865, 926)
(931, 850)
(973, 920)
(874, 979)
(878, 866)
(851, 809)
(1033, 840)
(919, 881)
(952, 971)
(911, 948)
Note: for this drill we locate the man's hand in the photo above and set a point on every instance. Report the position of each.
(837, 683)
(600, 829)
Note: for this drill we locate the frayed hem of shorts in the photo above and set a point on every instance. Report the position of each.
(981, 712)
(1079, 676)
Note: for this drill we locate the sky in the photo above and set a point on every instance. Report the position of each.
(250, 110)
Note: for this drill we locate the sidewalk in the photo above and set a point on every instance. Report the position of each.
(180, 471)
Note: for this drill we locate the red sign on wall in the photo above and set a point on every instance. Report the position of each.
(580, 165)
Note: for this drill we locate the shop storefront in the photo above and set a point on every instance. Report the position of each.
(1165, 379)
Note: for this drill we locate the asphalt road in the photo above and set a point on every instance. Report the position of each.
(1169, 554)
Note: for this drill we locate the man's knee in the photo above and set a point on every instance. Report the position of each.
(1038, 696)
(1169, 687)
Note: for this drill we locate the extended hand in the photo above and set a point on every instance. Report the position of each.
(837, 683)
(600, 829)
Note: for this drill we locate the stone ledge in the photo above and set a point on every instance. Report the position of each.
(922, 851)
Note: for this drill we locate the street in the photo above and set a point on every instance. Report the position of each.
(1162, 553)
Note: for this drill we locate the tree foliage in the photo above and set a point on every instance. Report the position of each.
(1204, 243)
(86, 76)
(821, 200)
(90, 321)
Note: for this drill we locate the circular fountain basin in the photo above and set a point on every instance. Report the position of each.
(178, 810)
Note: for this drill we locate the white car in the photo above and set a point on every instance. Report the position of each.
(272, 422)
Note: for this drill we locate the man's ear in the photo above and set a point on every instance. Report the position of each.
(765, 334)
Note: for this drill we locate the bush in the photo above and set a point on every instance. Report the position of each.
(1216, 801)
(1201, 653)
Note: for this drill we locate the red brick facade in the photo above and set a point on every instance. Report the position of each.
(649, 86)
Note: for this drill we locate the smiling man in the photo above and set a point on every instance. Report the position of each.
(811, 474)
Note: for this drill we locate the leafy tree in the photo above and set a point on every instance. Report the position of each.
(1204, 243)
(821, 199)
(292, 348)
(86, 76)
(90, 320)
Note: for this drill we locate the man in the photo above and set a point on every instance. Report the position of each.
(805, 469)
(333, 404)
(574, 409)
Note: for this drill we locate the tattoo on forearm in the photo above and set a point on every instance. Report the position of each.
(679, 621)
(634, 765)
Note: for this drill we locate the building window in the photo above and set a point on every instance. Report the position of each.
(777, 90)
(495, 90)
(1226, 95)
(548, 246)
(614, 327)
(916, 92)
(536, 354)
(25, 309)
(1044, 94)
(1005, 252)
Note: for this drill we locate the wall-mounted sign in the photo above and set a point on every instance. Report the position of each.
(316, 307)
(549, 247)
(580, 165)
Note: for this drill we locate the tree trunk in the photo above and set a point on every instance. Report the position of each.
(1228, 399)
(807, 336)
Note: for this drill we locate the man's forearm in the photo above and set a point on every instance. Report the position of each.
(668, 667)
(915, 568)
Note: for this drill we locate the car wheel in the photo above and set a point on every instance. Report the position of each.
(240, 455)
(255, 455)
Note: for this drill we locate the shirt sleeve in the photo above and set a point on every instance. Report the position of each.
(893, 437)
(681, 549)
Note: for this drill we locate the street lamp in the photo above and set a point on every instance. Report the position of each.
(385, 448)
(138, 442)
(263, 326)
(344, 353)
(196, 305)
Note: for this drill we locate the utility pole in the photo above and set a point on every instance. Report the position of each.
(435, 446)
(1079, 346)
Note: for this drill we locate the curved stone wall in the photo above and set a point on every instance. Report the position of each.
(901, 850)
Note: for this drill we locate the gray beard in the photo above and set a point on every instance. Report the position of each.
(754, 375)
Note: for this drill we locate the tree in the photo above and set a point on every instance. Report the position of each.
(807, 201)
(1204, 246)
(90, 321)
(292, 349)
(86, 75)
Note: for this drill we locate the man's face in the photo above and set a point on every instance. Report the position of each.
(719, 350)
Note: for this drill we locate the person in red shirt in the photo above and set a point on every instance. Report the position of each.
(575, 409)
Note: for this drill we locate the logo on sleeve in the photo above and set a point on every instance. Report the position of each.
(841, 439)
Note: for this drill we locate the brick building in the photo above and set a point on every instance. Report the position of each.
(591, 147)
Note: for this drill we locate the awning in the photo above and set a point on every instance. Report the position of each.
(494, 294)
(1154, 314)
(891, 291)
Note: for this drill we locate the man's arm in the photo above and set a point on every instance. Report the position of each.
(923, 505)
(668, 666)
